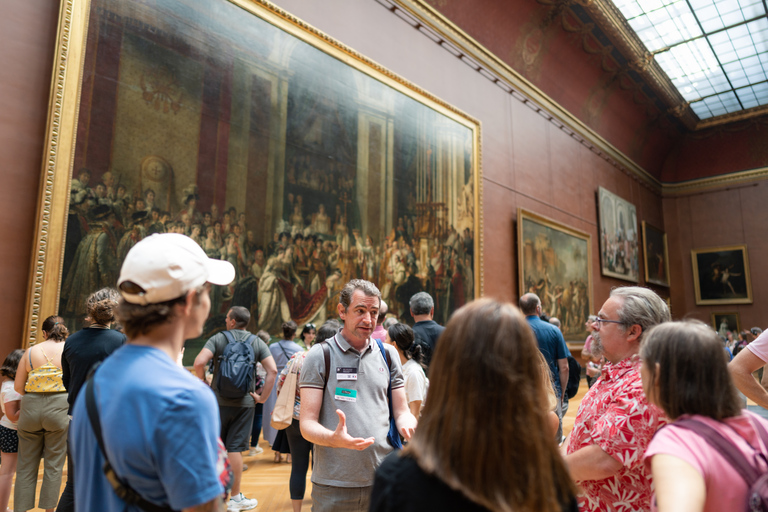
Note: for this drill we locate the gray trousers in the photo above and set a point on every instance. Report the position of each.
(43, 425)
(340, 499)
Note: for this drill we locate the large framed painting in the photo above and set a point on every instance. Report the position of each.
(555, 263)
(721, 275)
(273, 146)
(619, 248)
(724, 322)
(655, 255)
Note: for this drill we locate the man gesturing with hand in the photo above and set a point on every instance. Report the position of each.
(344, 406)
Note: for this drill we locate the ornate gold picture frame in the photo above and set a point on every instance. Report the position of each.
(172, 116)
(721, 275)
(655, 255)
(555, 263)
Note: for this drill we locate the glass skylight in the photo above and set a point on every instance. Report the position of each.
(714, 51)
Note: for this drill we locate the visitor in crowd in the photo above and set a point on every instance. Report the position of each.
(10, 402)
(82, 351)
(307, 336)
(745, 363)
(347, 417)
(43, 422)
(484, 440)
(615, 422)
(594, 359)
(684, 372)
(300, 448)
(282, 351)
(258, 411)
(412, 359)
(426, 331)
(380, 332)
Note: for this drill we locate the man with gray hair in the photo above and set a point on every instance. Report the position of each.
(345, 411)
(615, 422)
(425, 330)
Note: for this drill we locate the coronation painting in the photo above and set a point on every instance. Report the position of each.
(273, 147)
(555, 263)
(619, 248)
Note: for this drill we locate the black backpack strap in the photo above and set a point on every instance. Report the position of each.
(327, 359)
(724, 447)
(124, 491)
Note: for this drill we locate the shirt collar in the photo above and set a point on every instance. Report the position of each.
(612, 371)
(344, 345)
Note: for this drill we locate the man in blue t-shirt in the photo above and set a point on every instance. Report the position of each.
(159, 424)
(552, 346)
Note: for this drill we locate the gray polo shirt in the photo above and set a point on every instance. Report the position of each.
(216, 344)
(363, 401)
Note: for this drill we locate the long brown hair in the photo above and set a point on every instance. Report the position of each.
(484, 428)
(692, 370)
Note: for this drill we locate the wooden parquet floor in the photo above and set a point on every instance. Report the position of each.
(267, 481)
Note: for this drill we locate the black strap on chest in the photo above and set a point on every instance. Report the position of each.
(124, 491)
(327, 359)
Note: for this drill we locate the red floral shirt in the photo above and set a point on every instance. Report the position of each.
(616, 416)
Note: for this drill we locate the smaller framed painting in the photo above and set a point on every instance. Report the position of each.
(724, 322)
(721, 275)
(619, 247)
(655, 255)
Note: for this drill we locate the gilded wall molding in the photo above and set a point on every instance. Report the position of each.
(454, 40)
(714, 183)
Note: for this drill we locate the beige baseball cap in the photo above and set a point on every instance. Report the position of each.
(168, 265)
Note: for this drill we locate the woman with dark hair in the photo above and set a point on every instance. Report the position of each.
(412, 359)
(307, 335)
(43, 421)
(82, 351)
(282, 351)
(685, 373)
(300, 448)
(483, 441)
(10, 401)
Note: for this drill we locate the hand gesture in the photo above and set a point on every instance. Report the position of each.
(408, 426)
(341, 439)
(257, 398)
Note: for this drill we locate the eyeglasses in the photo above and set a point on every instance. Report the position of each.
(598, 322)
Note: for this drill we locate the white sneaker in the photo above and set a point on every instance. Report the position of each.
(240, 502)
(255, 450)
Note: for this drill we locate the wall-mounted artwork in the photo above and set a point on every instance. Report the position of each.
(274, 147)
(724, 322)
(721, 275)
(555, 263)
(655, 255)
(619, 248)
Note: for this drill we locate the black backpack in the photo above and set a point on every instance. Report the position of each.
(236, 367)
(574, 377)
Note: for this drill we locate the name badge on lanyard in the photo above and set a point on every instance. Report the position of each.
(346, 373)
(345, 395)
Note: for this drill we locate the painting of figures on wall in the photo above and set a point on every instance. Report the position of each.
(721, 275)
(655, 255)
(248, 134)
(619, 248)
(555, 263)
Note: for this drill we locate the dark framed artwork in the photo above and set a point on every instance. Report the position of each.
(275, 147)
(555, 263)
(619, 247)
(655, 255)
(724, 322)
(721, 275)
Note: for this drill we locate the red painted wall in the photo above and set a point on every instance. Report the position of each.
(27, 35)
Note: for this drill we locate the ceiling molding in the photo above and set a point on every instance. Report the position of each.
(725, 181)
(458, 43)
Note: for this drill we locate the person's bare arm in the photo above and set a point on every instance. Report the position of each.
(201, 360)
(415, 408)
(405, 421)
(591, 463)
(271, 369)
(215, 505)
(12, 410)
(314, 432)
(678, 486)
(562, 365)
(741, 369)
(21, 373)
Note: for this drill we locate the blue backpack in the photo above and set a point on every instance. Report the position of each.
(236, 367)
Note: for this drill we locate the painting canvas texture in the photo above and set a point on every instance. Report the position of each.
(721, 275)
(555, 264)
(619, 248)
(202, 118)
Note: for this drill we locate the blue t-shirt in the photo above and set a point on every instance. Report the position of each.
(160, 427)
(552, 346)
